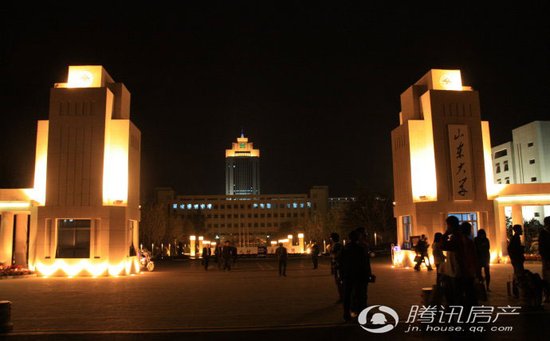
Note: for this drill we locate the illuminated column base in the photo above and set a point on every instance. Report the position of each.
(405, 259)
(192, 240)
(301, 248)
(87, 268)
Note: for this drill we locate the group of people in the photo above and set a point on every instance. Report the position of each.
(517, 258)
(225, 255)
(350, 266)
(459, 270)
(464, 270)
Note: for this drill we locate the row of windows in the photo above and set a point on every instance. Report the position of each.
(504, 152)
(241, 206)
(504, 164)
(507, 180)
(243, 225)
(255, 215)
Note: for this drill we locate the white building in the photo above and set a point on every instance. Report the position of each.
(503, 164)
(525, 160)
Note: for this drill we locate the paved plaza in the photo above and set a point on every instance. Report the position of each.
(180, 298)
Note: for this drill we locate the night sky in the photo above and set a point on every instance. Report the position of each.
(315, 87)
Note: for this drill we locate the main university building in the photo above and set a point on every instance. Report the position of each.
(244, 216)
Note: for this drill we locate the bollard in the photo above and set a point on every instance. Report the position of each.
(427, 295)
(5, 317)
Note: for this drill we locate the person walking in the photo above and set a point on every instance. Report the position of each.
(517, 257)
(544, 251)
(218, 255)
(421, 250)
(469, 266)
(439, 258)
(227, 255)
(451, 269)
(356, 274)
(483, 247)
(335, 266)
(206, 252)
(282, 257)
(516, 250)
(315, 250)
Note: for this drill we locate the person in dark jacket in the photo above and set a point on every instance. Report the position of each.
(483, 253)
(315, 250)
(470, 266)
(206, 252)
(227, 255)
(356, 274)
(515, 250)
(421, 250)
(517, 258)
(218, 255)
(439, 257)
(544, 251)
(335, 260)
(461, 266)
(282, 256)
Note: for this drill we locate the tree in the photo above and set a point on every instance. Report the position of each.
(175, 233)
(335, 221)
(153, 224)
(374, 212)
(314, 228)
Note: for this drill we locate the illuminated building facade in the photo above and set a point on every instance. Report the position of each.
(442, 166)
(439, 158)
(247, 220)
(81, 217)
(242, 168)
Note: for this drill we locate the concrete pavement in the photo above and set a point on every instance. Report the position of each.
(180, 298)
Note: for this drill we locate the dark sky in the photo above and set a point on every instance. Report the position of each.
(315, 87)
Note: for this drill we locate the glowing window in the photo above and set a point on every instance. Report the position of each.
(73, 238)
(175, 206)
(308, 204)
(294, 205)
(469, 217)
(301, 205)
(203, 206)
(196, 206)
(189, 206)
(262, 205)
(407, 230)
(209, 206)
(182, 206)
(268, 205)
